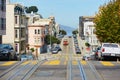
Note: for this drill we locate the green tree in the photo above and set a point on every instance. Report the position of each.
(32, 49)
(87, 44)
(107, 22)
(63, 32)
(52, 38)
(75, 32)
(31, 8)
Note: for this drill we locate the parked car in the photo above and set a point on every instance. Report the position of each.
(7, 52)
(56, 50)
(78, 51)
(86, 57)
(109, 50)
(24, 57)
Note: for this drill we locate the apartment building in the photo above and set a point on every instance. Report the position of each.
(15, 27)
(36, 35)
(32, 17)
(82, 20)
(86, 31)
(2, 19)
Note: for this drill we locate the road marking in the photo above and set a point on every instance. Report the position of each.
(8, 63)
(26, 62)
(54, 62)
(46, 63)
(34, 62)
(83, 62)
(74, 62)
(65, 62)
(67, 58)
(106, 63)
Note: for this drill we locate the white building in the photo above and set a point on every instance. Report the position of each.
(15, 27)
(89, 34)
(32, 17)
(87, 31)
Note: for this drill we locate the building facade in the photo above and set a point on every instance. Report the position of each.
(86, 31)
(82, 20)
(15, 27)
(36, 35)
(2, 19)
(90, 36)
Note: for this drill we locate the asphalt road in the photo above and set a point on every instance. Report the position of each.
(66, 65)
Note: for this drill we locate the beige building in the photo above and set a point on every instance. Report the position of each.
(2, 19)
(32, 17)
(36, 35)
(15, 27)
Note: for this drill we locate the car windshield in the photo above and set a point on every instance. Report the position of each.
(111, 45)
(4, 46)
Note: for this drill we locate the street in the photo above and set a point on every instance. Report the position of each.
(66, 65)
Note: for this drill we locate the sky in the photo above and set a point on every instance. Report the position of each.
(66, 12)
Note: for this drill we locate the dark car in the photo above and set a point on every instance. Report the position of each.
(78, 51)
(56, 50)
(7, 52)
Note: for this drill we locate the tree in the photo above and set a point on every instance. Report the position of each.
(63, 32)
(75, 32)
(31, 8)
(52, 38)
(87, 44)
(107, 22)
(32, 49)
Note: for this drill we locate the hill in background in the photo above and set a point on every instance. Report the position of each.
(68, 29)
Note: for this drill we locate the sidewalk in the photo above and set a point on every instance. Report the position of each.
(82, 45)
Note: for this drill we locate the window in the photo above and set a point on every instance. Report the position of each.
(3, 5)
(2, 23)
(16, 20)
(16, 47)
(22, 32)
(22, 45)
(35, 40)
(16, 33)
(38, 31)
(35, 31)
(21, 20)
(38, 40)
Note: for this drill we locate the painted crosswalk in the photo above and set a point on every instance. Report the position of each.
(8, 63)
(74, 62)
(58, 62)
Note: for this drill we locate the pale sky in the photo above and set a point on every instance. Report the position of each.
(66, 12)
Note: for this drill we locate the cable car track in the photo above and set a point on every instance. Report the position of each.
(20, 71)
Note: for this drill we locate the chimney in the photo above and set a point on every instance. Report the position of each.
(7, 1)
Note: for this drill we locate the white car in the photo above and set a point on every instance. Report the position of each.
(109, 50)
(86, 57)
